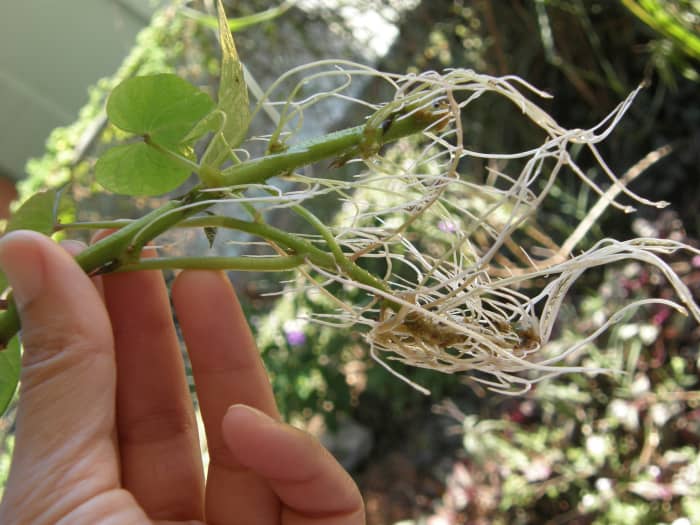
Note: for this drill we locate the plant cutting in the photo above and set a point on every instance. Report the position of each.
(461, 300)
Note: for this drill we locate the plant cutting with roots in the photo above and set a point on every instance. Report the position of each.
(451, 279)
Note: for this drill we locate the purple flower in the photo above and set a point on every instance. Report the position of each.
(447, 226)
(295, 336)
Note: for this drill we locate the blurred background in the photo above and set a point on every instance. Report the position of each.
(575, 450)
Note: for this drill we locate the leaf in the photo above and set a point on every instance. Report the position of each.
(10, 361)
(211, 123)
(233, 97)
(37, 214)
(164, 107)
(138, 169)
(233, 91)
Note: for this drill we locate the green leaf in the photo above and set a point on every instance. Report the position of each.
(37, 214)
(139, 169)
(164, 107)
(233, 97)
(10, 361)
(211, 123)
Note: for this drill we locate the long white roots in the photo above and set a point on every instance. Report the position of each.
(455, 249)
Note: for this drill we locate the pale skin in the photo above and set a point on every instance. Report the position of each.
(105, 430)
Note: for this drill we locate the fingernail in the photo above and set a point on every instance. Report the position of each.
(248, 412)
(22, 266)
(73, 247)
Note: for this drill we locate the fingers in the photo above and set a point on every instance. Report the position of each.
(227, 370)
(312, 486)
(66, 409)
(157, 433)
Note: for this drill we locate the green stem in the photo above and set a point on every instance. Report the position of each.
(333, 145)
(298, 245)
(113, 247)
(340, 259)
(244, 264)
(352, 269)
(188, 206)
(118, 249)
(238, 23)
(110, 251)
(183, 161)
(93, 225)
(655, 15)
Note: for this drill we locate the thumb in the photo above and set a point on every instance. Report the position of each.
(68, 373)
(310, 483)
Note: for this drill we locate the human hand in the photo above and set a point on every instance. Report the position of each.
(105, 430)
